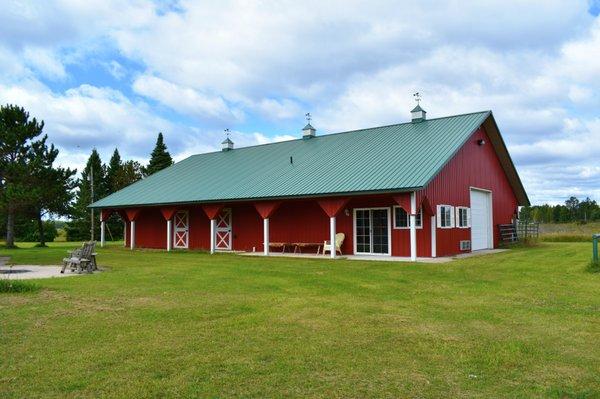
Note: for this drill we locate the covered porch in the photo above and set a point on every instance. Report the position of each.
(384, 225)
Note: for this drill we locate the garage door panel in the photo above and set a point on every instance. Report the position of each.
(480, 219)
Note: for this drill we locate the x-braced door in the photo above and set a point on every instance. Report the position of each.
(223, 232)
(181, 229)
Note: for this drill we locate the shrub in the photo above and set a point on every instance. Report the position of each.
(8, 286)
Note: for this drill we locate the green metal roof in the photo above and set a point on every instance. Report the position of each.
(388, 158)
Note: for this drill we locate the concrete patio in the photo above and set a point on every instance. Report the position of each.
(380, 258)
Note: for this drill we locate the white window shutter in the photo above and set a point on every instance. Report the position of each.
(439, 216)
(468, 217)
(457, 216)
(452, 220)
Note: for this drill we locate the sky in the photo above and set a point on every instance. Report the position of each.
(108, 73)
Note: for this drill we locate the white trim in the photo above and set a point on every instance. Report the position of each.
(468, 211)
(228, 219)
(389, 212)
(408, 216)
(186, 230)
(440, 216)
(491, 209)
(433, 237)
(413, 226)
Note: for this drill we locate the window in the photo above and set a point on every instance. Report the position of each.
(445, 216)
(402, 220)
(463, 217)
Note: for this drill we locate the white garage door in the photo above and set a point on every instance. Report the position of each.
(481, 220)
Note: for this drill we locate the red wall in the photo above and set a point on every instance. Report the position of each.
(305, 221)
(473, 166)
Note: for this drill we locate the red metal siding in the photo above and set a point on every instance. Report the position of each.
(150, 229)
(473, 166)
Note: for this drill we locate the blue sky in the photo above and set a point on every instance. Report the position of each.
(109, 74)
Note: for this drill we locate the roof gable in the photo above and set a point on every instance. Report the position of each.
(388, 158)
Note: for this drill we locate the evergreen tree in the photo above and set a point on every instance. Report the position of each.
(80, 226)
(52, 187)
(18, 135)
(160, 157)
(119, 175)
(112, 172)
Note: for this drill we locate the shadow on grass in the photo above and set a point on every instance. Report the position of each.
(593, 267)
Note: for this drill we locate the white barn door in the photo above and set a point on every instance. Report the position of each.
(223, 231)
(481, 220)
(181, 230)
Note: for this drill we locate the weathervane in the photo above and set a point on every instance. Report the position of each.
(417, 97)
(308, 117)
(227, 133)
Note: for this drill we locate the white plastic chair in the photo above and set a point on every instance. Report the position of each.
(339, 240)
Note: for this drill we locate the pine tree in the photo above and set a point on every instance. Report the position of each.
(80, 226)
(112, 173)
(160, 157)
(18, 136)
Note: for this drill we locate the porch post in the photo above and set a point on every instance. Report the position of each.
(213, 231)
(332, 237)
(266, 236)
(433, 242)
(132, 238)
(413, 226)
(124, 233)
(102, 225)
(169, 238)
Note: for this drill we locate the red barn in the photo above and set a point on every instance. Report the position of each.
(425, 188)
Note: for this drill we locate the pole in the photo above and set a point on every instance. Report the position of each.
(92, 201)
(413, 226)
(266, 236)
(332, 228)
(595, 238)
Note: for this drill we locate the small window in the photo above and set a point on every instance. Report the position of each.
(401, 218)
(463, 217)
(445, 216)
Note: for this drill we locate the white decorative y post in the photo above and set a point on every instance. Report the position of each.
(266, 236)
(102, 226)
(124, 233)
(433, 242)
(169, 238)
(413, 226)
(332, 236)
(132, 238)
(213, 232)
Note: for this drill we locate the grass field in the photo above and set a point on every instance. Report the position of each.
(520, 324)
(568, 232)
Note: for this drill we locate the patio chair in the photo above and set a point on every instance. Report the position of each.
(80, 259)
(339, 240)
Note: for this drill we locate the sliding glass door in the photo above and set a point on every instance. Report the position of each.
(372, 231)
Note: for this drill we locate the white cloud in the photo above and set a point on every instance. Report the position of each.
(184, 100)
(351, 64)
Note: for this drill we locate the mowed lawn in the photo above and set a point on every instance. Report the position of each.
(524, 323)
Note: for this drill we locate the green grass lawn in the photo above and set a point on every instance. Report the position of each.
(524, 323)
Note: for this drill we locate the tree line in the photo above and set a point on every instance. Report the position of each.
(573, 210)
(33, 189)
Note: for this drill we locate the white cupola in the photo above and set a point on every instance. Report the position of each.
(418, 114)
(308, 131)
